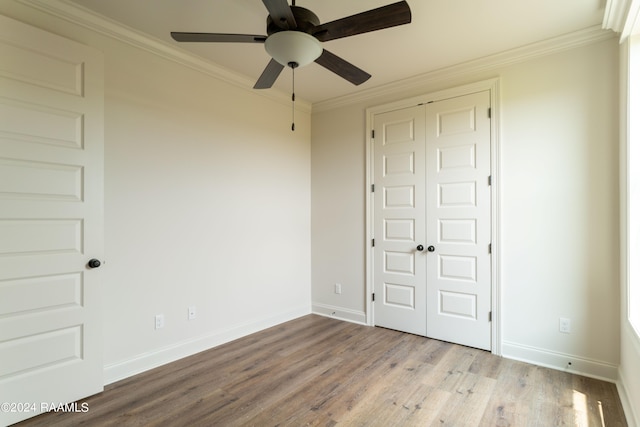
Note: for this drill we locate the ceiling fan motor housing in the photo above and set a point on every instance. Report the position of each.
(306, 21)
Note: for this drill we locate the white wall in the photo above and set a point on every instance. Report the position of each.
(559, 169)
(207, 203)
(337, 212)
(629, 371)
(560, 209)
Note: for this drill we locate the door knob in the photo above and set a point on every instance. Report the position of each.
(431, 249)
(420, 248)
(94, 263)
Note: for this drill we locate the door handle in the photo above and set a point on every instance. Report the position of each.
(420, 248)
(431, 248)
(94, 263)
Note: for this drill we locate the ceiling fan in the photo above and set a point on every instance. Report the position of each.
(294, 35)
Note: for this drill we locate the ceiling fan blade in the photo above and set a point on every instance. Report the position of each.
(218, 37)
(281, 14)
(342, 68)
(375, 19)
(269, 75)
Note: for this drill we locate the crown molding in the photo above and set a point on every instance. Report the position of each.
(93, 21)
(615, 14)
(542, 48)
(632, 22)
(622, 16)
(86, 18)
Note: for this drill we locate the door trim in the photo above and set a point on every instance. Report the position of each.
(493, 86)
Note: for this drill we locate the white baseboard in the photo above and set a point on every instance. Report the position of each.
(340, 313)
(628, 374)
(633, 419)
(560, 361)
(143, 362)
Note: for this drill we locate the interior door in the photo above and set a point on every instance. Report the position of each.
(432, 220)
(51, 225)
(458, 204)
(399, 221)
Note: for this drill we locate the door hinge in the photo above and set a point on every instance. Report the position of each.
(373, 134)
(373, 188)
(490, 248)
(373, 297)
(489, 112)
(373, 242)
(490, 317)
(489, 180)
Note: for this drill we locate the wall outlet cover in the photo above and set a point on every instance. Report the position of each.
(159, 321)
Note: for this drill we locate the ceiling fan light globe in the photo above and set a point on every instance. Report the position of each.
(293, 46)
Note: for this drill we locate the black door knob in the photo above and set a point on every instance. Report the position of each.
(94, 263)
(431, 249)
(420, 248)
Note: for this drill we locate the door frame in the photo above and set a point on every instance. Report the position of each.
(493, 86)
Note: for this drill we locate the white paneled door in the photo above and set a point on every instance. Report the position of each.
(400, 283)
(432, 261)
(459, 220)
(51, 224)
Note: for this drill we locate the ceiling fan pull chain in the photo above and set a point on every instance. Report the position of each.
(293, 97)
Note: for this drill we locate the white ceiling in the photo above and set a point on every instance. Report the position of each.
(442, 33)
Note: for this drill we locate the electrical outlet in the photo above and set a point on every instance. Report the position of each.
(159, 321)
(338, 288)
(191, 312)
(565, 325)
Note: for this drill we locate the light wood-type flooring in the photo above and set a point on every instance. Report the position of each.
(323, 372)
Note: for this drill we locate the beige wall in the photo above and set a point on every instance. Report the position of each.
(559, 206)
(207, 203)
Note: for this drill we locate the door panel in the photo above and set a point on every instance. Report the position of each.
(399, 272)
(51, 194)
(431, 165)
(458, 212)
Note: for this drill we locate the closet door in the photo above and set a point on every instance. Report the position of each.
(458, 207)
(432, 220)
(399, 217)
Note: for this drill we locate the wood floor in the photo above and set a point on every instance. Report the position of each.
(323, 372)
